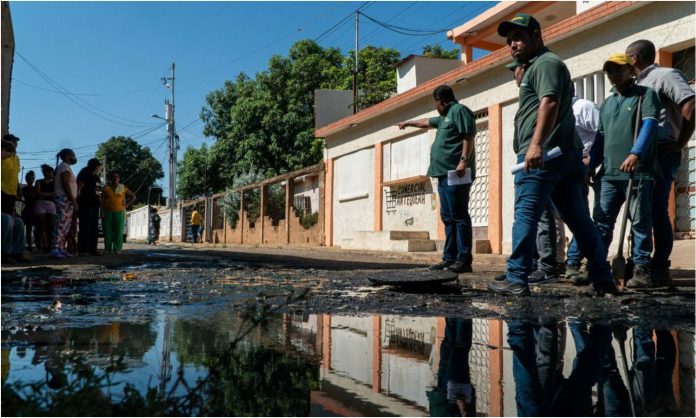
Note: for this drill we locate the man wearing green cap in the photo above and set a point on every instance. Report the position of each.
(544, 121)
(622, 159)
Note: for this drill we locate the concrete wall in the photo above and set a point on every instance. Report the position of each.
(353, 198)
(331, 105)
(137, 224)
(418, 70)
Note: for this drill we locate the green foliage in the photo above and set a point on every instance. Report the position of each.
(308, 220)
(436, 51)
(138, 168)
(266, 124)
(194, 178)
(232, 199)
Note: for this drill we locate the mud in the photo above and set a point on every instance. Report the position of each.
(92, 291)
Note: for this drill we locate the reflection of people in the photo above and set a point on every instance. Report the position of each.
(454, 395)
(453, 149)
(594, 363)
(534, 364)
(652, 371)
(196, 222)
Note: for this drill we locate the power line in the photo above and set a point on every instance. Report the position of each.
(76, 99)
(411, 5)
(403, 30)
(340, 22)
(14, 79)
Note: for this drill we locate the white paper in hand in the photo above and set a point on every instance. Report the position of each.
(453, 178)
(548, 155)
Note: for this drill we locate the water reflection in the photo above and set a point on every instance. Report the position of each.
(374, 365)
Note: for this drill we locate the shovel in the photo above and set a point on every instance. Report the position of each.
(631, 395)
(618, 262)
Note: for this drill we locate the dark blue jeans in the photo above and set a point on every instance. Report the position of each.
(546, 242)
(561, 181)
(534, 362)
(454, 212)
(574, 256)
(595, 362)
(606, 211)
(194, 232)
(653, 366)
(662, 226)
(454, 352)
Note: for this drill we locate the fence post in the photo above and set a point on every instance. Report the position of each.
(263, 210)
(241, 217)
(289, 191)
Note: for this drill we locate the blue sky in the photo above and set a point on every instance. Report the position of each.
(107, 58)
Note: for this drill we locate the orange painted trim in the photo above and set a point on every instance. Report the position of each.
(379, 176)
(440, 224)
(495, 368)
(467, 53)
(557, 31)
(376, 353)
(529, 8)
(495, 178)
(326, 342)
(664, 58)
(328, 202)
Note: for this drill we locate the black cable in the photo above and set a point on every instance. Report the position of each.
(404, 30)
(83, 94)
(77, 99)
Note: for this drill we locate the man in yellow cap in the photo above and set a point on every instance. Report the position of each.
(545, 121)
(624, 155)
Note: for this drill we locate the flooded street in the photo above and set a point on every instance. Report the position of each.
(193, 333)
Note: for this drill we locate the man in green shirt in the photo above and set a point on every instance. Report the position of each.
(453, 150)
(624, 156)
(544, 121)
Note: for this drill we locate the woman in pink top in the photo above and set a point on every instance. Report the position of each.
(66, 203)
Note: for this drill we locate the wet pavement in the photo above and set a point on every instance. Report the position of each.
(272, 335)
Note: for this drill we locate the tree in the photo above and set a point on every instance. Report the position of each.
(138, 168)
(436, 51)
(194, 176)
(376, 74)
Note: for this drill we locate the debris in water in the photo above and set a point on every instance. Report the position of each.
(129, 276)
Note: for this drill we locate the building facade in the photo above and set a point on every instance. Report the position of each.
(375, 173)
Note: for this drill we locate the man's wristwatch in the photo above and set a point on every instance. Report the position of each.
(463, 158)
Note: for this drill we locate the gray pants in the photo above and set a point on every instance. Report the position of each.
(550, 240)
(13, 240)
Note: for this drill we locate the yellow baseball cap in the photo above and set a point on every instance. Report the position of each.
(619, 59)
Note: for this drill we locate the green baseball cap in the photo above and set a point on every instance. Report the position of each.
(521, 21)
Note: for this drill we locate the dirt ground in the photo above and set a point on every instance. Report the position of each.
(310, 280)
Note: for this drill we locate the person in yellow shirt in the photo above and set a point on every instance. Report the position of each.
(196, 222)
(115, 199)
(10, 174)
(13, 237)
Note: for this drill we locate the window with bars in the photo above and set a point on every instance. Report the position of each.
(591, 87)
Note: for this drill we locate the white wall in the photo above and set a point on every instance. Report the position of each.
(137, 223)
(353, 194)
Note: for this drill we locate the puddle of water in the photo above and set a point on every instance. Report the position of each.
(368, 365)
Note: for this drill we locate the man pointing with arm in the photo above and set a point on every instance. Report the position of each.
(453, 149)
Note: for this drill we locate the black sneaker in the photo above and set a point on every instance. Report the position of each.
(500, 277)
(542, 277)
(506, 287)
(441, 265)
(460, 267)
(607, 287)
(661, 277)
(641, 278)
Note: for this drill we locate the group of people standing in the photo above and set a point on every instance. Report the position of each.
(61, 212)
(637, 136)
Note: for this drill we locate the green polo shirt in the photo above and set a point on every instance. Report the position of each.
(546, 76)
(446, 151)
(617, 118)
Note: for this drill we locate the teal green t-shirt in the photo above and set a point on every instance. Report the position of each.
(546, 76)
(446, 151)
(617, 118)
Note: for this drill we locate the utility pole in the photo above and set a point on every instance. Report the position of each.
(173, 148)
(355, 69)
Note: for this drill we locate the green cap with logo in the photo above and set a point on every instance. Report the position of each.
(521, 21)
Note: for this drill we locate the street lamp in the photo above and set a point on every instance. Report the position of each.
(156, 116)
